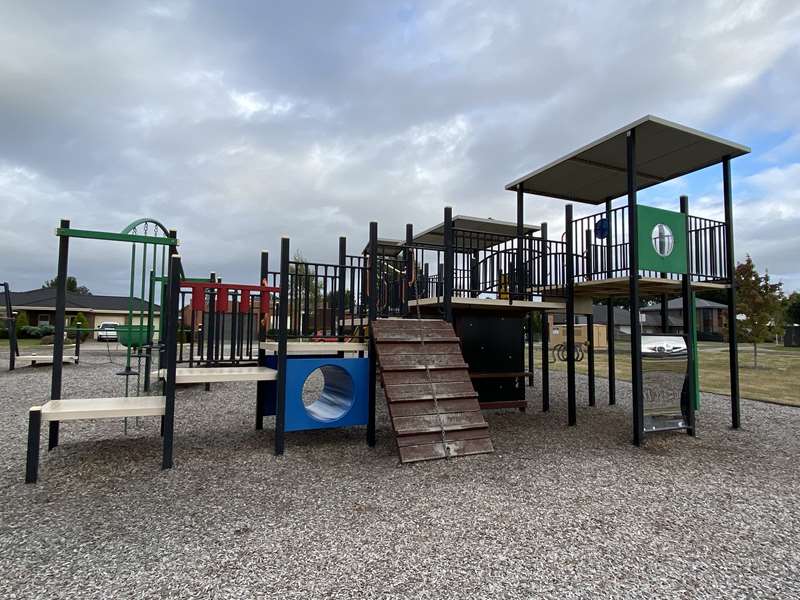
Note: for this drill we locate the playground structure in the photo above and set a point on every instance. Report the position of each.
(445, 317)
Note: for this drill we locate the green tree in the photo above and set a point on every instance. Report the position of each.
(792, 308)
(72, 286)
(759, 301)
(22, 321)
(80, 321)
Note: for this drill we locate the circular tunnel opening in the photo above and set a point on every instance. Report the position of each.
(328, 393)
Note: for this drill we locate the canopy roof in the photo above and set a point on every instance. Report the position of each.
(498, 230)
(597, 172)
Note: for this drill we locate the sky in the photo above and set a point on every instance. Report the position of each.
(239, 123)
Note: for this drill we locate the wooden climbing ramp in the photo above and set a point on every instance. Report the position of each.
(432, 405)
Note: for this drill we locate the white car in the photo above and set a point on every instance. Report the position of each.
(107, 332)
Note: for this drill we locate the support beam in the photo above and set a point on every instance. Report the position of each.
(283, 320)
(688, 331)
(262, 387)
(34, 432)
(372, 315)
(411, 276)
(449, 259)
(612, 374)
(633, 265)
(572, 413)
(545, 326)
(732, 342)
(168, 428)
(520, 283)
(58, 334)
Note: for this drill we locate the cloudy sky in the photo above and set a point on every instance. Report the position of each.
(236, 123)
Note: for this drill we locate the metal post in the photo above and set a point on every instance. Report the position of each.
(411, 274)
(372, 314)
(531, 356)
(612, 375)
(633, 265)
(545, 326)
(34, 433)
(520, 283)
(283, 320)
(590, 268)
(58, 341)
(168, 427)
(448, 264)
(210, 331)
(572, 415)
(688, 330)
(262, 387)
(732, 342)
(664, 314)
(342, 283)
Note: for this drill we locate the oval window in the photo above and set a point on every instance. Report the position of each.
(663, 240)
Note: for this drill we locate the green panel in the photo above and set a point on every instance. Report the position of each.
(675, 259)
(695, 374)
(116, 237)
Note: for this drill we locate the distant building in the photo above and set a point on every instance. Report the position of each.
(39, 307)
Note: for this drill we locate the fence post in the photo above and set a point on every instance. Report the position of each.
(283, 319)
(372, 313)
(449, 260)
(262, 387)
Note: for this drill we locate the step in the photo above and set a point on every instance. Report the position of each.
(221, 374)
(103, 408)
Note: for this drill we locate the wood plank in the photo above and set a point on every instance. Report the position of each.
(103, 408)
(411, 391)
(405, 362)
(386, 325)
(437, 450)
(430, 438)
(392, 349)
(428, 407)
(421, 376)
(431, 423)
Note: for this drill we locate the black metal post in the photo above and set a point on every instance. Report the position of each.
(168, 428)
(572, 413)
(283, 321)
(732, 342)
(545, 326)
(633, 265)
(520, 262)
(688, 330)
(58, 341)
(590, 268)
(262, 387)
(664, 314)
(531, 354)
(411, 269)
(449, 260)
(342, 283)
(210, 331)
(148, 355)
(372, 314)
(612, 375)
(34, 433)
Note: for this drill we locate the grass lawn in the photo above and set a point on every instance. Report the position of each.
(24, 343)
(775, 379)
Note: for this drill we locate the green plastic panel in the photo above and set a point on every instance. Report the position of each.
(674, 259)
(116, 237)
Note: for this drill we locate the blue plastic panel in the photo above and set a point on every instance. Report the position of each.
(343, 401)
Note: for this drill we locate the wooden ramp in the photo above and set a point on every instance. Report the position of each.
(432, 404)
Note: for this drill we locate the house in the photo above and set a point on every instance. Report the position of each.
(39, 307)
(711, 319)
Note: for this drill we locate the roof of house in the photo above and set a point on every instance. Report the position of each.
(46, 298)
(677, 304)
(598, 171)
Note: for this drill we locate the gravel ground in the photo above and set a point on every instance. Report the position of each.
(556, 512)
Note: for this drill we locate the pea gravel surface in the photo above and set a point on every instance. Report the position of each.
(556, 512)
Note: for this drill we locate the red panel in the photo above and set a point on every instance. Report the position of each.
(198, 298)
(244, 302)
(222, 298)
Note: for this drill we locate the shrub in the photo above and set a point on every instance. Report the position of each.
(82, 322)
(30, 332)
(48, 340)
(22, 321)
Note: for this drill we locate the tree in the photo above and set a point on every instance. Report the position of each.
(792, 309)
(759, 301)
(72, 286)
(21, 321)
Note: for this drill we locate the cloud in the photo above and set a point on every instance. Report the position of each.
(237, 125)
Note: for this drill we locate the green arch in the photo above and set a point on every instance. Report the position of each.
(143, 220)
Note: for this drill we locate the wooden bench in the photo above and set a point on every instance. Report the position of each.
(75, 409)
(221, 374)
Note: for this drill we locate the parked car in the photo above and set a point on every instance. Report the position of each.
(107, 332)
